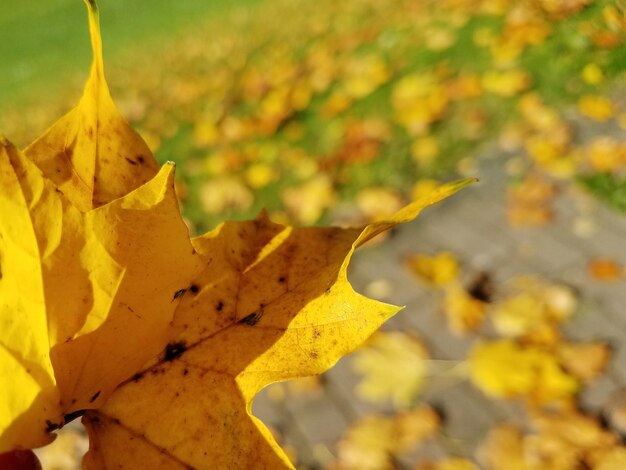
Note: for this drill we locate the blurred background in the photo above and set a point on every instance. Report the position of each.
(508, 353)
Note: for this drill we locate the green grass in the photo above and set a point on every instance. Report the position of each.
(609, 188)
(43, 43)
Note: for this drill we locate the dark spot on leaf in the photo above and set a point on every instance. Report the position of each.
(137, 377)
(314, 355)
(281, 279)
(252, 319)
(220, 306)
(174, 350)
(185, 371)
(316, 333)
(178, 294)
(194, 288)
(50, 426)
(131, 161)
(94, 397)
(68, 418)
(327, 291)
(141, 158)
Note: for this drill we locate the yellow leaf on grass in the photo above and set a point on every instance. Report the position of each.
(91, 154)
(506, 83)
(377, 203)
(394, 367)
(606, 154)
(307, 202)
(592, 74)
(597, 108)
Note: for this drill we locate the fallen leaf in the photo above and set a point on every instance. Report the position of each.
(503, 448)
(393, 366)
(530, 305)
(605, 270)
(585, 361)
(463, 311)
(306, 203)
(530, 202)
(506, 83)
(597, 108)
(592, 74)
(505, 369)
(450, 463)
(373, 442)
(225, 194)
(439, 269)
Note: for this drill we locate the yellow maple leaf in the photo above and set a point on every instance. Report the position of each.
(597, 108)
(530, 304)
(111, 311)
(394, 367)
(450, 463)
(584, 360)
(373, 442)
(503, 448)
(463, 312)
(91, 154)
(506, 83)
(439, 269)
(505, 369)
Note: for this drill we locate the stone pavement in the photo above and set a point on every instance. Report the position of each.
(473, 225)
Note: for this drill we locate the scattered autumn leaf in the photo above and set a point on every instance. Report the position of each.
(605, 270)
(393, 366)
(373, 442)
(439, 269)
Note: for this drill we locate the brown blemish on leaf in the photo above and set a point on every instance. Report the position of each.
(174, 350)
(94, 397)
(220, 306)
(178, 293)
(68, 418)
(253, 318)
(50, 426)
(137, 377)
(194, 289)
